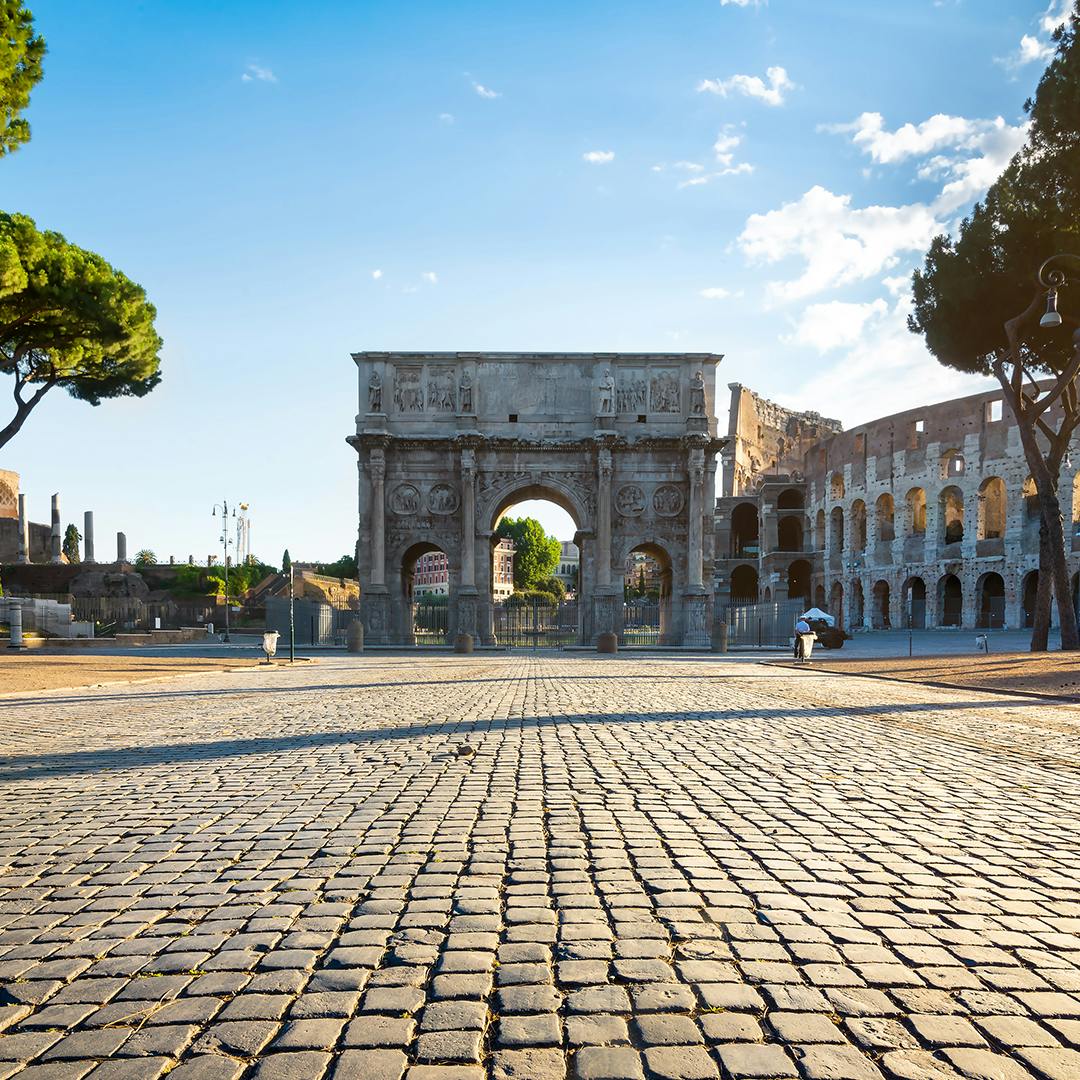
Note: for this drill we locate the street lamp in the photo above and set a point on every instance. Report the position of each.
(1052, 278)
(226, 540)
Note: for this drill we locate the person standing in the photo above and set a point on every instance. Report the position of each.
(804, 638)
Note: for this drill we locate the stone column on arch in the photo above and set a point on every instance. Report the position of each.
(604, 598)
(374, 597)
(695, 625)
(467, 595)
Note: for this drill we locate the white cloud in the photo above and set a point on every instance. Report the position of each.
(599, 157)
(258, 73)
(886, 355)
(868, 132)
(430, 277)
(834, 324)
(446, 118)
(485, 91)
(742, 3)
(837, 243)
(1032, 48)
(753, 86)
(376, 274)
(968, 154)
(1057, 14)
(695, 174)
(717, 292)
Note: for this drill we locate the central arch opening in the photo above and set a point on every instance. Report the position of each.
(534, 572)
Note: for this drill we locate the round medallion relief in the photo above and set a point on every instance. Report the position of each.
(442, 499)
(405, 499)
(667, 500)
(630, 500)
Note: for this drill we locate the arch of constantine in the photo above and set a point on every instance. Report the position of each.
(624, 442)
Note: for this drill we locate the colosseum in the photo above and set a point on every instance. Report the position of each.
(927, 518)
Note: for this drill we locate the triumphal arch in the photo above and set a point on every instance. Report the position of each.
(624, 442)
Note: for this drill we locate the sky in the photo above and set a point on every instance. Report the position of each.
(295, 182)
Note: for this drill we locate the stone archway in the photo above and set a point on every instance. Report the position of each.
(626, 443)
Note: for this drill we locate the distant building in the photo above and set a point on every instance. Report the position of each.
(432, 574)
(641, 569)
(569, 565)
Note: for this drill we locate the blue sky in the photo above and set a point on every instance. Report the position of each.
(295, 182)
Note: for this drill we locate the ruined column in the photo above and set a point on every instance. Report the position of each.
(377, 467)
(121, 548)
(24, 532)
(88, 536)
(56, 545)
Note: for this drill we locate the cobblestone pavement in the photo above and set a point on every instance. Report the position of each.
(668, 868)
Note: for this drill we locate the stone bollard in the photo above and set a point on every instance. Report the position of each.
(720, 637)
(15, 624)
(607, 643)
(354, 636)
(463, 643)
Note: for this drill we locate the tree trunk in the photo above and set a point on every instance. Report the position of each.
(1059, 568)
(22, 411)
(1040, 623)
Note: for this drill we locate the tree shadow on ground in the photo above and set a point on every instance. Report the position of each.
(45, 765)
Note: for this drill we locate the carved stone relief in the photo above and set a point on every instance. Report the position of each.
(442, 499)
(665, 392)
(667, 500)
(440, 396)
(408, 393)
(630, 500)
(405, 499)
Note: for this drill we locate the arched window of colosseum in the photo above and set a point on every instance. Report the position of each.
(952, 465)
(790, 499)
(744, 531)
(836, 528)
(789, 533)
(1032, 509)
(836, 486)
(1076, 505)
(952, 515)
(858, 526)
(886, 517)
(820, 530)
(991, 509)
(916, 512)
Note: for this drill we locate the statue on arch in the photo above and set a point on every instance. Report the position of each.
(697, 395)
(375, 393)
(465, 395)
(607, 394)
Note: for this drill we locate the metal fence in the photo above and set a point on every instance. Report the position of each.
(762, 624)
(641, 623)
(536, 625)
(126, 614)
(315, 623)
(431, 622)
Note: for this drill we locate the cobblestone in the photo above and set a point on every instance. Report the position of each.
(671, 867)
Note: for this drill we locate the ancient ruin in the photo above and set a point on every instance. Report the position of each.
(927, 518)
(447, 442)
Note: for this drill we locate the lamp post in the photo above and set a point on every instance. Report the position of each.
(226, 540)
(1053, 278)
